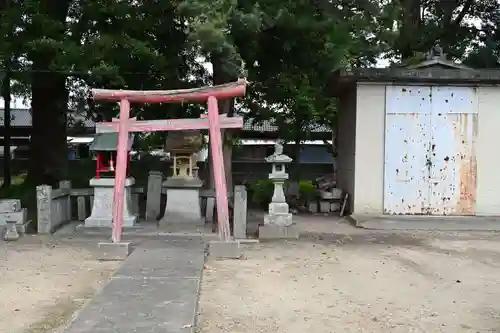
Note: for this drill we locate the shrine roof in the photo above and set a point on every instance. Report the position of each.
(109, 142)
(434, 70)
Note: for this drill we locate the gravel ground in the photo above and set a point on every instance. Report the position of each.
(363, 282)
(42, 283)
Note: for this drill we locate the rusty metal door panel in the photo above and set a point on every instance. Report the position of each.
(453, 166)
(407, 140)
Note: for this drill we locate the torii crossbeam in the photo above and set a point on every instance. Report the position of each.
(124, 125)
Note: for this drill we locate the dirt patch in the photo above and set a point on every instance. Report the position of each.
(43, 283)
(433, 284)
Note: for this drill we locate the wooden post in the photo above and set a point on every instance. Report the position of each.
(218, 169)
(121, 170)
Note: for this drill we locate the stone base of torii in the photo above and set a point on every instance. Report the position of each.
(227, 246)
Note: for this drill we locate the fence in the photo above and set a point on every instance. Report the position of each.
(56, 207)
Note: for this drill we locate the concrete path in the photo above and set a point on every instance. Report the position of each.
(155, 290)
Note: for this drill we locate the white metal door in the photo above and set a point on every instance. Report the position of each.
(407, 144)
(453, 160)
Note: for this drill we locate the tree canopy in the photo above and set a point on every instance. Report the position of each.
(56, 49)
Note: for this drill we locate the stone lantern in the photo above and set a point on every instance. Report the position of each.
(278, 221)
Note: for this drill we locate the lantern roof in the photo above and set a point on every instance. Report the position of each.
(278, 157)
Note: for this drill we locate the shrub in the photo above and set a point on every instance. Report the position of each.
(262, 192)
(307, 190)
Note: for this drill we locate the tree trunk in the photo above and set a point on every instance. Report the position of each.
(49, 153)
(6, 94)
(411, 22)
(49, 103)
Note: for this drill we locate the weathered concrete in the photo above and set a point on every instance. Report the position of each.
(11, 232)
(114, 251)
(153, 204)
(183, 202)
(10, 205)
(225, 249)
(156, 290)
(445, 223)
(12, 216)
(102, 210)
(240, 212)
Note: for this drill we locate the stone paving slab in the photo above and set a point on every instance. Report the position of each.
(157, 263)
(156, 290)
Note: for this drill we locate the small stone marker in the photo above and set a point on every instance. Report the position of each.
(12, 212)
(153, 204)
(11, 233)
(240, 212)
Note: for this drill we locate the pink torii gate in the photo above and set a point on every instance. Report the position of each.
(124, 125)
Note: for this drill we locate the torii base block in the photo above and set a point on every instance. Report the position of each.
(228, 249)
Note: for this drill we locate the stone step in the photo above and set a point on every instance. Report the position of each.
(10, 205)
(19, 217)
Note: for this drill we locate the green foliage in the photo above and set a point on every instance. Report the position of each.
(261, 192)
(287, 50)
(307, 190)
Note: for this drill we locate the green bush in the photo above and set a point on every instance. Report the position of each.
(262, 192)
(307, 190)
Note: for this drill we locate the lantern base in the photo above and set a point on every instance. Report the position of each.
(282, 220)
(102, 208)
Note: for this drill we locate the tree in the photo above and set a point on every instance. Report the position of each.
(453, 24)
(294, 55)
(212, 26)
(99, 43)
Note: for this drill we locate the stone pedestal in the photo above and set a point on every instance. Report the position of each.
(278, 222)
(11, 233)
(183, 202)
(11, 213)
(102, 210)
(278, 208)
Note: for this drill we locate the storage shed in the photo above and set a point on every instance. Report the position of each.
(423, 140)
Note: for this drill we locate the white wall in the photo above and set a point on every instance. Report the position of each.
(369, 153)
(369, 150)
(488, 152)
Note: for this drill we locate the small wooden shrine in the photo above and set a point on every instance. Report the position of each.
(105, 146)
